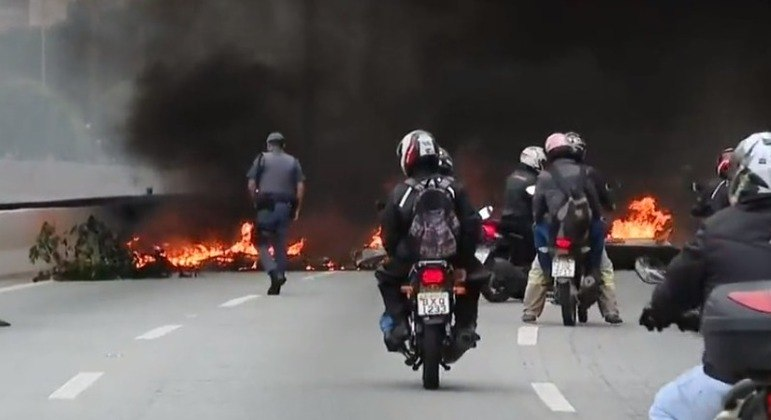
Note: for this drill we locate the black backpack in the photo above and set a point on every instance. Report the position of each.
(435, 227)
(574, 218)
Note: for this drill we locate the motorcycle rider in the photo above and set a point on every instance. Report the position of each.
(714, 197)
(569, 150)
(517, 214)
(418, 156)
(731, 246)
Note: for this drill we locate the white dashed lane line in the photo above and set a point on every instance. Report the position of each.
(23, 286)
(158, 332)
(527, 335)
(75, 386)
(552, 397)
(320, 275)
(237, 301)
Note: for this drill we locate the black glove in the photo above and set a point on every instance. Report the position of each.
(649, 319)
(689, 321)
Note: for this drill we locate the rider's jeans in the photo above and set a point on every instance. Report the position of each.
(692, 396)
(596, 239)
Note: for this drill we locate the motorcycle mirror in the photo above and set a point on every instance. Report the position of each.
(486, 212)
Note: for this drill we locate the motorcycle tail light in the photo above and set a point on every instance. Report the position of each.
(757, 301)
(768, 404)
(432, 276)
(490, 231)
(563, 243)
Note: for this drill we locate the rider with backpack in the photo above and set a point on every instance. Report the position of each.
(569, 191)
(428, 215)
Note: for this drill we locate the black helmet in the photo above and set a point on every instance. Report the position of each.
(446, 166)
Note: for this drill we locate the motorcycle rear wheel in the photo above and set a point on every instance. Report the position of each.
(433, 335)
(568, 304)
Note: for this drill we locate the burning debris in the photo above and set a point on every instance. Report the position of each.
(242, 255)
(644, 222)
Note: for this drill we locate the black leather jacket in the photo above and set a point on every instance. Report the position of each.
(517, 202)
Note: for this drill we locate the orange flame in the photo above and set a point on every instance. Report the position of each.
(193, 256)
(645, 221)
(376, 241)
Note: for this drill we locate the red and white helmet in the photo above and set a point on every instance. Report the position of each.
(417, 146)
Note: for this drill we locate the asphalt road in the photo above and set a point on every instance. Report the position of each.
(185, 349)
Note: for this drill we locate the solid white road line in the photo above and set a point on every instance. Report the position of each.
(23, 286)
(527, 335)
(237, 301)
(158, 332)
(75, 386)
(552, 397)
(320, 275)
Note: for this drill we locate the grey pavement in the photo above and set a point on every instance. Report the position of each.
(315, 352)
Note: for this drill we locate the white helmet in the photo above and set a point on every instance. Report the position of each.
(416, 146)
(533, 157)
(750, 171)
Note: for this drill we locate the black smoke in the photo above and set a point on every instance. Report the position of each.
(656, 88)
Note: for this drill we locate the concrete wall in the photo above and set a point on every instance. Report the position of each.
(19, 228)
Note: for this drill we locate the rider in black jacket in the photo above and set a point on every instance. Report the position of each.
(418, 153)
(517, 214)
(732, 246)
(714, 195)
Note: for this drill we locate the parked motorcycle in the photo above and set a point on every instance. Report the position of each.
(574, 288)
(432, 290)
(495, 253)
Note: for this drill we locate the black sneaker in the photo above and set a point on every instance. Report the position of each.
(613, 319)
(395, 339)
(4, 324)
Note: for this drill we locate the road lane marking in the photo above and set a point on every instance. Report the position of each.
(76, 385)
(320, 275)
(23, 286)
(158, 332)
(237, 301)
(527, 335)
(552, 397)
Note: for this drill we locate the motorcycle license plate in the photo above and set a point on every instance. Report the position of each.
(433, 303)
(563, 267)
(482, 253)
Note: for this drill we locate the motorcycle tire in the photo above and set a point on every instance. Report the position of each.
(433, 335)
(498, 289)
(567, 304)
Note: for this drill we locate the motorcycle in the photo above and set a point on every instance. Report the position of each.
(431, 291)
(574, 289)
(494, 252)
(749, 398)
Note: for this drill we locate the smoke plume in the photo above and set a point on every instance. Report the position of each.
(656, 88)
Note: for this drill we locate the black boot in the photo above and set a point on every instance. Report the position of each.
(4, 324)
(275, 284)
